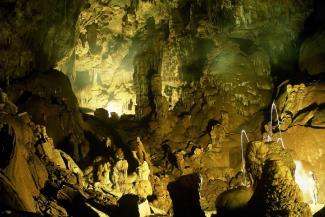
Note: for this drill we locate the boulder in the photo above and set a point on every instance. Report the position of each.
(233, 202)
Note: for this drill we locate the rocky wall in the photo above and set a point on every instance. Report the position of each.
(188, 34)
(35, 35)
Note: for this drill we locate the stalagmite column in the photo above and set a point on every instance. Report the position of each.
(148, 85)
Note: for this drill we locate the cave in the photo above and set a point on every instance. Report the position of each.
(185, 108)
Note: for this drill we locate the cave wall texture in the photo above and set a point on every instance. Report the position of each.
(35, 35)
(186, 40)
(188, 75)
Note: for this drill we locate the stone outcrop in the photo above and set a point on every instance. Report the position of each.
(35, 177)
(50, 101)
(233, 202)
(24, 166)
(6, 105)
(185, 194)
(320, 213)
(146, 67)
(159, 187)
(299, 104)
(22, 173)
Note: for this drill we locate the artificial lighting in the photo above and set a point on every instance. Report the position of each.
(115, 106)
(307, 183)
(121, 107)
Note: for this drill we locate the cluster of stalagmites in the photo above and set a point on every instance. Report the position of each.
(35, 177)
(113, 177)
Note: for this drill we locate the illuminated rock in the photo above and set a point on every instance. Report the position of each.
(120, 173)
(23, 174)
(184, 32)
(139, 152)
(113, 177)
(301, 108)
(274, 188)
(307, 183)
(319, 119)
(53, 154)
(279, 192)
(299, 99)
(159, 185)
(258, 152)
(189, 75)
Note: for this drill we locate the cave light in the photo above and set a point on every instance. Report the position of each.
(308, 185)
(115, 106)
(121, 106)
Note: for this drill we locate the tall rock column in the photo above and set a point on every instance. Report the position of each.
(160, 102)
(146, 71)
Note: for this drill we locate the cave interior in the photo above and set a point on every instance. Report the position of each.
(185, 108)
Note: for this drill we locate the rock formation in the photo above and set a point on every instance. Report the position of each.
(275, 192)
(135, 107)
(49, 99)
(301, 112)
(30, 164)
